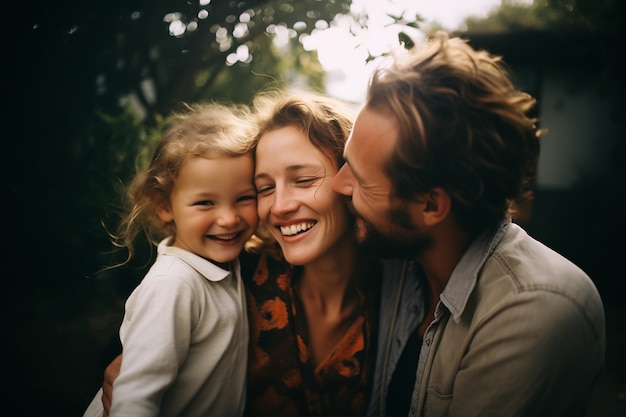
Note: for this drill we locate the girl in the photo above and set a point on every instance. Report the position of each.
(185, 329)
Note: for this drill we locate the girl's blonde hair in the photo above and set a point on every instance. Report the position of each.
(207, 130)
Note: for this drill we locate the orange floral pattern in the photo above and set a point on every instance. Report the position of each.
(283, 282)
(273, 314)
(281, 379)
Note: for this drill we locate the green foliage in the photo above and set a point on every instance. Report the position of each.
(99, 78)
(605, 17)
(162, 52)
(510, 15)
(592, 31)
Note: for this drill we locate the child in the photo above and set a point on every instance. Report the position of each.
(185, 328)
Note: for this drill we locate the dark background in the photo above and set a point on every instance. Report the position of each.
(70, 140)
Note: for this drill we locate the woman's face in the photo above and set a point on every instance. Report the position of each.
(295, 200)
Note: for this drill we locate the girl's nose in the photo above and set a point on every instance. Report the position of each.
(228, 218)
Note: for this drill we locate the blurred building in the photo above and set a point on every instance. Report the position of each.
(578, 94)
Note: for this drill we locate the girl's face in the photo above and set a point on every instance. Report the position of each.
(213, 206)
(295, 200)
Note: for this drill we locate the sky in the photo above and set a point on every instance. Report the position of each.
(343, 55)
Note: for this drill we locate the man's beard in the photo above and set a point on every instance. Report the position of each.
(402, 239)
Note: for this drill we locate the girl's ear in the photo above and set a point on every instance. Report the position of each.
(437, 207)
(162, 207)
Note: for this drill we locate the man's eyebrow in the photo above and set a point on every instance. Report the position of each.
(354, 172)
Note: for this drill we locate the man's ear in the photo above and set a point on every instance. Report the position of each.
(437, 207)
(162, 207)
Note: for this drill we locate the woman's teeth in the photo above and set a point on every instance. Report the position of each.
(295, 228)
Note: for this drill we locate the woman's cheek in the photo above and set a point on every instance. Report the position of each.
(263, 208)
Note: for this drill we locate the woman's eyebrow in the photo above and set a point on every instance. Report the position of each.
(290, 169)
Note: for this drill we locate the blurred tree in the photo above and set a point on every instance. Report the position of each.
(163, 52)
(91, 80)
(568, 16)
(593, 28)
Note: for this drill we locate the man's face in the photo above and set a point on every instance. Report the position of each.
(385, 224)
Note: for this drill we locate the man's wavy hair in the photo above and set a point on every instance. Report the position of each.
(463, 126)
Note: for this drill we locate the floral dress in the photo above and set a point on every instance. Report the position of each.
(282, 380)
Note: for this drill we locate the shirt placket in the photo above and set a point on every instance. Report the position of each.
(427, 342)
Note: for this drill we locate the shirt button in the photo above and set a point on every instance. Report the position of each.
(428, 342)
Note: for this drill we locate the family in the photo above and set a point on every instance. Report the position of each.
(313, 262)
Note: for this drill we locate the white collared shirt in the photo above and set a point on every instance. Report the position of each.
(185, 338)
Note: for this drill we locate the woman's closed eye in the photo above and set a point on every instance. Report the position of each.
(264, 189)
(300, 182)
(306, 181)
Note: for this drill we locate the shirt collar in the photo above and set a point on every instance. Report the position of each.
(465, 274)
(202, 265)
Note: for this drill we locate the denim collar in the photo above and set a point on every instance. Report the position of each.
(465, 274)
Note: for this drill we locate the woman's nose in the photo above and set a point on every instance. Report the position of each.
(284, 202)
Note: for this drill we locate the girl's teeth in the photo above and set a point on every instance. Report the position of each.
(229, 237)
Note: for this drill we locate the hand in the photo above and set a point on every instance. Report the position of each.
(111, 372)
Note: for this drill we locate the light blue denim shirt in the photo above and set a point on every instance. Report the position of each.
(512, 323)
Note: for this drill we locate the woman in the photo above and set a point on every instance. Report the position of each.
(312, 319)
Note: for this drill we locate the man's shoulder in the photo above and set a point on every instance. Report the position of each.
(521, 267)
(532, 264)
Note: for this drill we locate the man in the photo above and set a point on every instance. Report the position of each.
(494, 322)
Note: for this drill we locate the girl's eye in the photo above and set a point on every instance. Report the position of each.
(207, 203)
